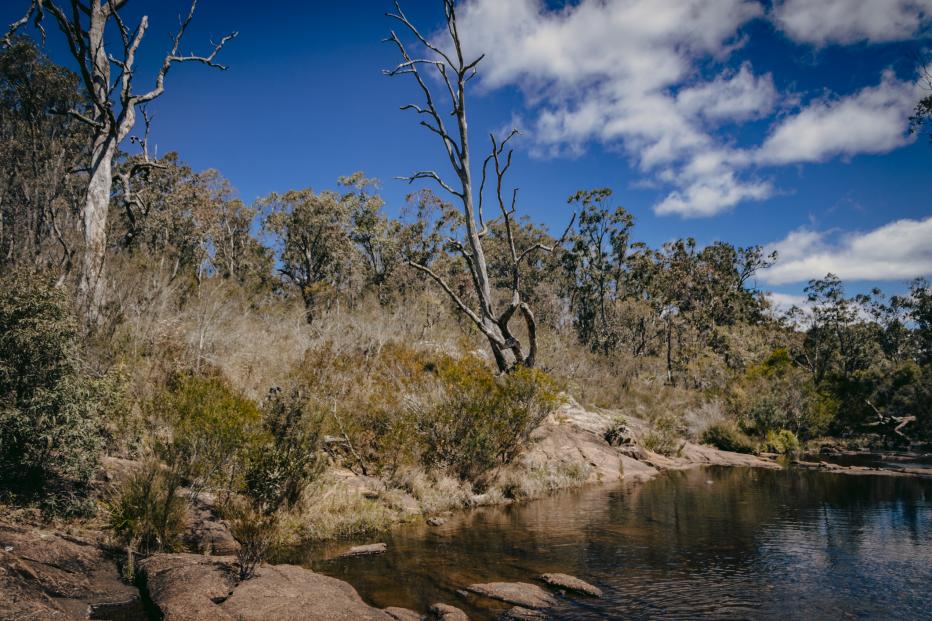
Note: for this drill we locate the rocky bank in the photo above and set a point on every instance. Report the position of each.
(51, 575)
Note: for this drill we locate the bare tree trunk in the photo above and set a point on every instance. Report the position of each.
(112, 107)
(96, 206)
(454, 71)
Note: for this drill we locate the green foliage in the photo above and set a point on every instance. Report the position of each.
(208, 424)
(363, 394)
(39, 148)
(781, 441)
(776, 394)
(727, 437)
(147, 513)
(594, 266)
(280, 463)
(316, 252)
(481, 420)
(285, 458)
(49, 426)
(666, 436)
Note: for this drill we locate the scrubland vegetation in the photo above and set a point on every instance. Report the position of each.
(241, 350)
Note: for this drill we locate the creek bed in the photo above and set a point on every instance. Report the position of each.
(712, 543)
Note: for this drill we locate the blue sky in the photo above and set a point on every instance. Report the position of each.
(776, 123)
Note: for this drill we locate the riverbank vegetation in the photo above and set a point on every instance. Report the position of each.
(241, 350)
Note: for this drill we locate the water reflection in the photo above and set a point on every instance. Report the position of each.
(720, 543)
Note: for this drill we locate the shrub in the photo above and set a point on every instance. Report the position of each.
(281, 462)
(147, 513)
(286, 456)
(727, 437)
(364, 393)
(666, 437)
(783, 441)
(776, 394)
(49, 425)
(618, 432)
(481, 420)
(208, 425)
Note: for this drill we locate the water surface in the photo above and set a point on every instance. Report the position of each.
(716, 543)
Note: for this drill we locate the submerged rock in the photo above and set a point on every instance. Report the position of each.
(522, 614)
(571, 583)
(365, 550)
(436, 521)
(518, 593)
(446, 612)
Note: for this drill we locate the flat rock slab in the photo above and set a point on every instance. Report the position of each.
(292, 593)
(365, 550)
(571, 583)
(518, 593)
(51, 575)
(190, 587)
(446, 612)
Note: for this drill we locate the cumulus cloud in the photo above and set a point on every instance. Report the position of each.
(710, 195)
(607, 70)
(629, 74)
(869, 121)
(822, 22)
(899, 250)
(739, 96)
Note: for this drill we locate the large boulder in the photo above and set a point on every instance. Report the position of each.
(403, 614)
(190, 587)
(292, 593)
(574, 438)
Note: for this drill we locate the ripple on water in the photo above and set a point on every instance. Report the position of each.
(752, 544)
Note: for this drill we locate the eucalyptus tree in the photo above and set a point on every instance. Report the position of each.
(453, 71)
(112, 104)
(377, 237)
(594, 263)
(311, 232)
(39, 194)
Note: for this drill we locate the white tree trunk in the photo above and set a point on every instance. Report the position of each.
(96, 206)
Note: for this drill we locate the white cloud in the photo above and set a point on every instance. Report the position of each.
(711, 195)
(869, 121)
(605, 70)
(821, 22)
(781, 303)
(899, 250)
(626, 73)
(731, 96)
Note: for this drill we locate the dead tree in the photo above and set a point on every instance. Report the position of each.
(454, 71)
(112, 106)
